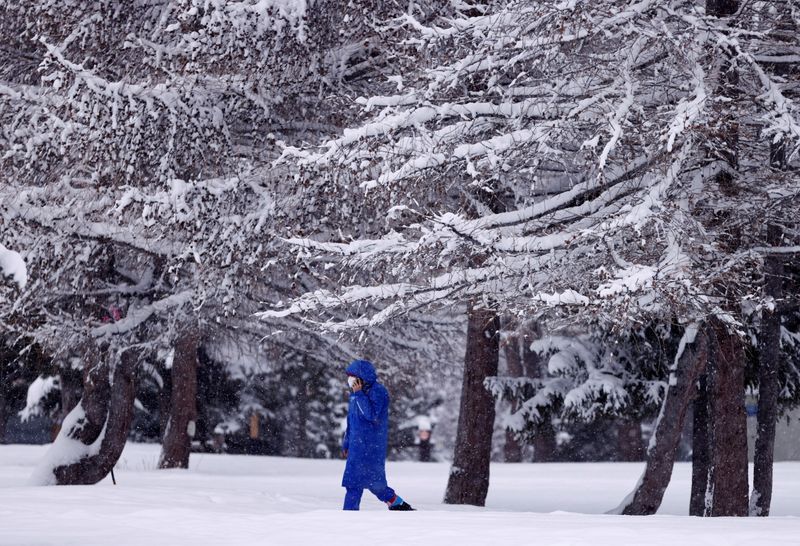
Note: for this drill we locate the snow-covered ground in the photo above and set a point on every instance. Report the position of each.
(232, 500)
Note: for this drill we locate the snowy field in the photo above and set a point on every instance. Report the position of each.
(232, 500)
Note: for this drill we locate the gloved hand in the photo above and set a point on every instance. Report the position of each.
(355, 383)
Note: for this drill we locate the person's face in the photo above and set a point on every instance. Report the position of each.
(352, 381)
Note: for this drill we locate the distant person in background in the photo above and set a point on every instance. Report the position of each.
(424, 431)
(366, 438)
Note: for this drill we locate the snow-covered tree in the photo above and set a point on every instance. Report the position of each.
(607, 157)
(594, 122)
(588, 376)
(136, 183)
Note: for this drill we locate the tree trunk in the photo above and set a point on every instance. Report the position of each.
(544, 435)
(531, 361)
(303, 444)
(9, 371)
(689, 364)
(728, 476)
(180, 427)
(118, 415)
(469, 475)
(71, 381)
(768, 384)
(629, 441)
(512, 451)
(164, 401)
(304, 447)
(544, 443)
(699, 501)
(723, 140)
(100, 422)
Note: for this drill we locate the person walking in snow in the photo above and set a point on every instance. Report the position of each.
(365, 439)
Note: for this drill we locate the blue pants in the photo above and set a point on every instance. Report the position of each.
(352, 499)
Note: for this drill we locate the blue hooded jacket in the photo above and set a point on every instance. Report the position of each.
(367, 431)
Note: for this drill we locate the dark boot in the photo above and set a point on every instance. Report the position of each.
(403, 506)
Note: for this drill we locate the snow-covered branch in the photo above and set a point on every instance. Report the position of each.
(137, 316)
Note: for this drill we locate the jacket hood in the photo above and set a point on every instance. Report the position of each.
(363, 369)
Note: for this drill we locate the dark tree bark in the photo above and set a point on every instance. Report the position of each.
(770, 338)
(512, 451)
(649, 492)
(721, 8)
(469, 475)
(629, 441)
(71, 381)
(725, 429)
(108, 406)
(303, 445)
(544, 435)
(701, 451)
(531, 361)
(96, 396)
(544, 443)
(728, 476)
(719, 436)
(164, 402)
(723, 139)
(177, 440)
(768, 384)
(9, 372)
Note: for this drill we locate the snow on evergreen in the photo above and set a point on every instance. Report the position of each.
(12, 265)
